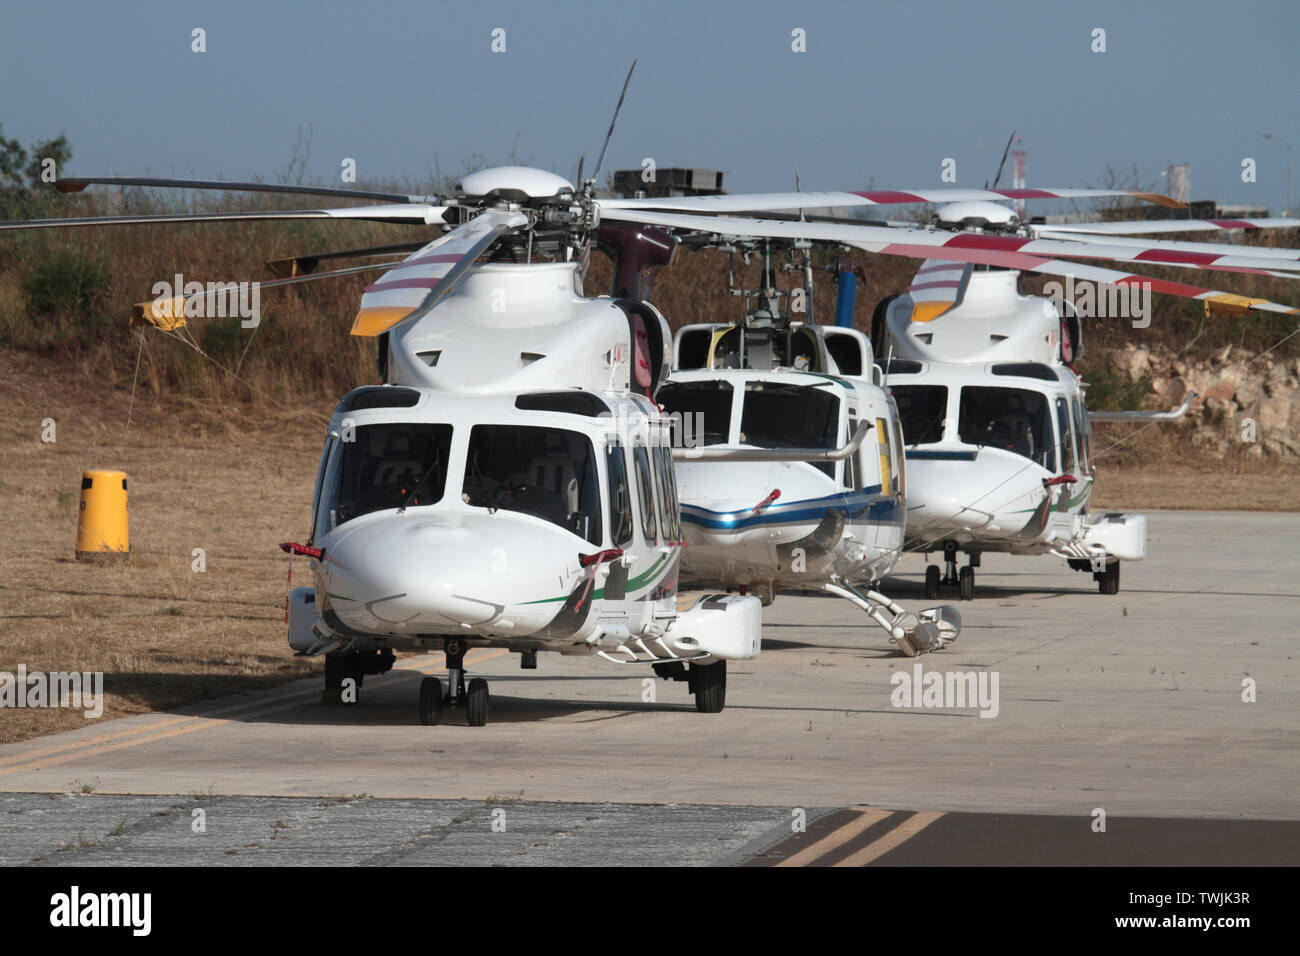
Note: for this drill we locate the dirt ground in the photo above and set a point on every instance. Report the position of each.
(235, 480)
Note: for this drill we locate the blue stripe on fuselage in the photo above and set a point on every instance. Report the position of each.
(868, 503)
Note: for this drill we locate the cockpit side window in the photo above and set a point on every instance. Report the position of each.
(390, 465)
(1064, 427)
(1015, 419)
(1083, 432)
(326, 495)
(548, 473)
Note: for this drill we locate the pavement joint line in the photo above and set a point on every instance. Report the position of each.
(189, 724)
(891, 840)
(836, 838)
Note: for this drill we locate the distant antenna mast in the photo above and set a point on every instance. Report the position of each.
(1018, 179)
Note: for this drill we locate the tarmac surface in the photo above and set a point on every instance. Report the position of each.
(1122, 711)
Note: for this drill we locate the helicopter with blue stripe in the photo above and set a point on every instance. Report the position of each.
(789, 456)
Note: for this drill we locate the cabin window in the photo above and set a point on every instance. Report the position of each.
(1083, 434)
(846, 350)
(645, 493)
(620, 496)
(700, 412)
(693, 348)
(669, 513)
(782, 415)
(1015, 419)
(548, 473)
(922, 409)
(1067, 435)
(393, 465)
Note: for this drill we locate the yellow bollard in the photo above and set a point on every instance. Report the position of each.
(102, 528)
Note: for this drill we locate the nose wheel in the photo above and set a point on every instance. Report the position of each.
(963, 580)
(475, 697)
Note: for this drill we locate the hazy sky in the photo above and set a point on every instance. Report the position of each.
(883, 94)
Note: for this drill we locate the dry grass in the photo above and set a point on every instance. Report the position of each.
(233, 480)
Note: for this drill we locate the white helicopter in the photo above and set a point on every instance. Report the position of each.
(999, 439)
(803, 522)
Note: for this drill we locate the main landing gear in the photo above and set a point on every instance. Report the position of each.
(708, 683)
(964, 581)
(474, 697)
(1107, 578)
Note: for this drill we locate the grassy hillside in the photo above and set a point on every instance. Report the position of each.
(68, 294)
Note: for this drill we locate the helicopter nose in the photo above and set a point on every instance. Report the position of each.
(985, 494)
(408, 574)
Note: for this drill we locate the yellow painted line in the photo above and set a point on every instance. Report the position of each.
(836, 838)
(891, 840)
(189, 724)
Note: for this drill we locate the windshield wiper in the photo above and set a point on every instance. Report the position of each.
(419, 484)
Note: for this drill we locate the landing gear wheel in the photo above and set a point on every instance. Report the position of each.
(966, 583)
(709, 685)
(1108, 580)
(931, 582)
(430, 701)
(476, 702)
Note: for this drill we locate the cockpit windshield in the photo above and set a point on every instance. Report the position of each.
(544, 472)
(700, 412)
(785, 415)
(1016, 419)
(391, 465)
(922, 409)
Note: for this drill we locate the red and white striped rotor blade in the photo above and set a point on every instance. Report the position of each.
(1138, 227)
(420, 282)
(759, 202)
(1006, 251)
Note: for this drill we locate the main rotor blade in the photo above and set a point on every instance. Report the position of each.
(418, 214)
(1142, 226)
(763, 202)
(1194, 251)
(609, 135)
(419, 282)
(305, 264)
(1006, 251)
(75, 184)
(169, 313)
(1152, 252)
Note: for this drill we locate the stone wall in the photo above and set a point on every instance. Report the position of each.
(1233, 388)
